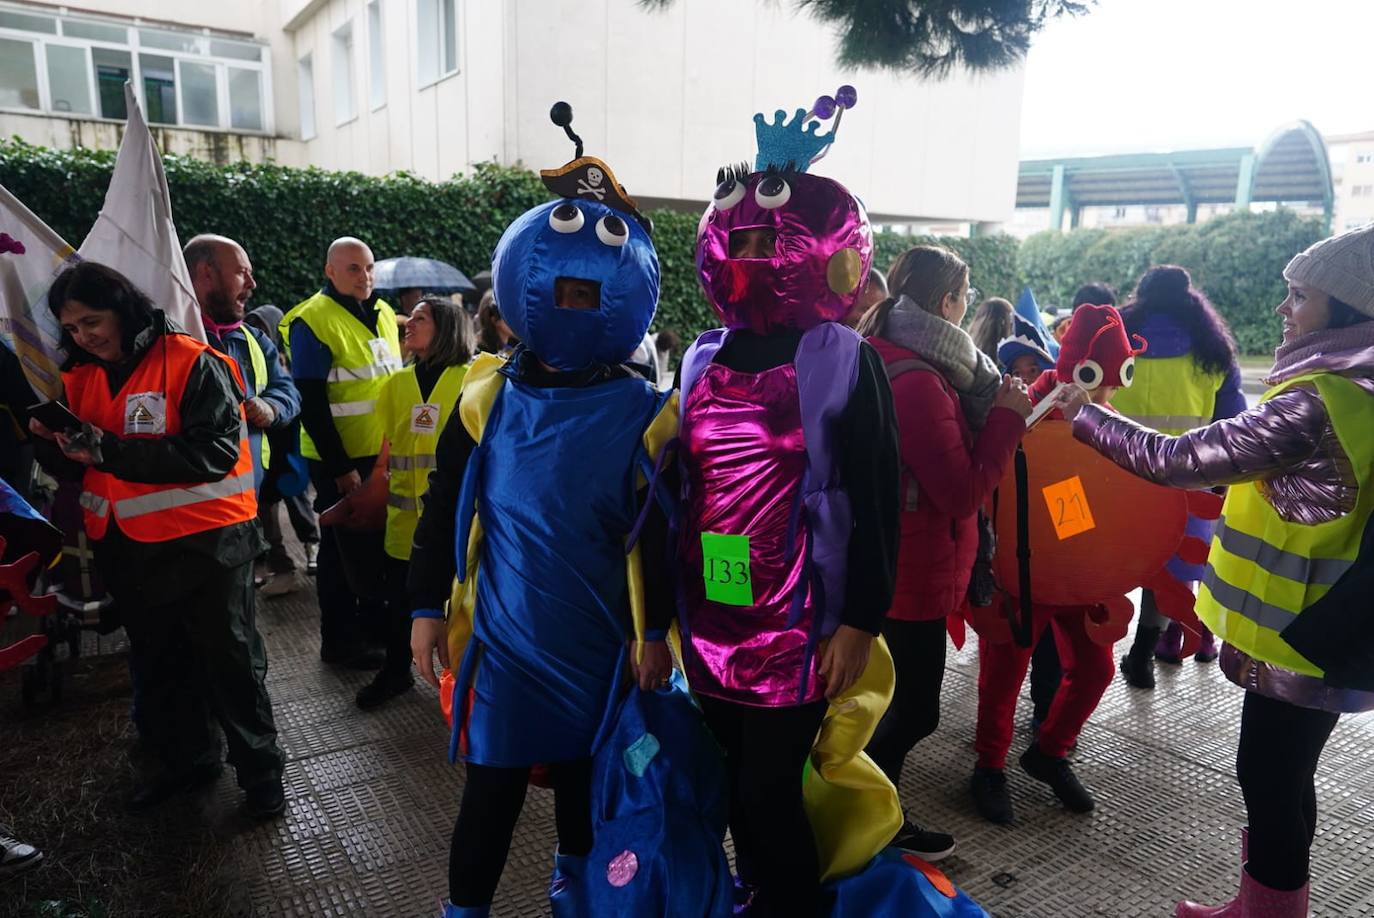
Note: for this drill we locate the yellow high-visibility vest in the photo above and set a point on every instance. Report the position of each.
(259, 366)
(363, 358)
(1263, 571)
(1170, 394)
(412, 426)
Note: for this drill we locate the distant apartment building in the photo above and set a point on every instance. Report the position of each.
(1352, 168)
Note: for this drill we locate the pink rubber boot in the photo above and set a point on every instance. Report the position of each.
(1232, 909)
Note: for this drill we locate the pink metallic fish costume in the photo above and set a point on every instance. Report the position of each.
(766, 529)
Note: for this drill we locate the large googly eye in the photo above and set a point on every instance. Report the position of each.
(566, 218)
(611, 230)
(728, 193)
(1127, 372)
(1088, 374)
(772, 192)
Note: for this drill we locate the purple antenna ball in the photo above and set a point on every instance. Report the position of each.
(824, 107)
(847, 96)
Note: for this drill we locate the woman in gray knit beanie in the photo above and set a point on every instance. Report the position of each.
(1290, 571)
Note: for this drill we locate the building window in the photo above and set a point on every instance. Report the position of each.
(376, 57)
(1361, 191)
(1364, 157)
(305, 79)
(69, 79)
(344, 107)
(112, 70)
(436, 40)
(18, 74)
(245, 99)
(159, 88)
(185, 78)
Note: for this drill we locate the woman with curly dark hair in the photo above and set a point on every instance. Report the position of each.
(1188, 378)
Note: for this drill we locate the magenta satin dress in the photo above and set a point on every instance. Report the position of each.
(744, 458)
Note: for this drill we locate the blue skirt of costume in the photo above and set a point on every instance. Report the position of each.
(554, 484)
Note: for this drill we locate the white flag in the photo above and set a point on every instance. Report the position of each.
(31, 255)
(134, 233)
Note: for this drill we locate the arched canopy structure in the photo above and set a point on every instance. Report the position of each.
(1290, 166)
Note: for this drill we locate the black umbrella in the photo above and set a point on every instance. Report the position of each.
(426, 274)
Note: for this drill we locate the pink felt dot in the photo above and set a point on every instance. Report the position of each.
(622, 869)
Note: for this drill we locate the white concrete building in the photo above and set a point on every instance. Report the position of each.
(1352, 171)
(433, 86)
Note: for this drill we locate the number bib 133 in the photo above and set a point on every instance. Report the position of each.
(725, 569)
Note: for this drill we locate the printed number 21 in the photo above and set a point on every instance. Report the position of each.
(1063, 509)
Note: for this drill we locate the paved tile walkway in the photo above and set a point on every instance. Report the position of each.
(372, 800)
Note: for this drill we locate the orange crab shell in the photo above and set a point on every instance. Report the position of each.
(1137, 526)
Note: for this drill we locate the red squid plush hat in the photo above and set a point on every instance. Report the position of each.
(1096, 351)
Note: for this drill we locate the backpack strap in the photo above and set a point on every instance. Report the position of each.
(912, 493)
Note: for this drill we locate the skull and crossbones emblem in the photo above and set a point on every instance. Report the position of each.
(592, 183)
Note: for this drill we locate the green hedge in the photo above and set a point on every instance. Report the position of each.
(1237, 259)
(287, 217)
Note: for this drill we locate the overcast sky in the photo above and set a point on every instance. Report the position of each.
(1160, 75)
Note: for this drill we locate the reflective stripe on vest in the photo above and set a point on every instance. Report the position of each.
(412, 453)
(1324, 571)
(157, 512)
(1169, 394)
(406, 463)
(352, 409)
(1263, 571)
(179, 497)
(94, 503)
(358, 372)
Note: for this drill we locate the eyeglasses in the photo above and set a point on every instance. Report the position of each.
(971, 297)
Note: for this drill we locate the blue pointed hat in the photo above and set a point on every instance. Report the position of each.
(1027, 309)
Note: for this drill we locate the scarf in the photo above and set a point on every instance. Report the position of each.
(950, 350)
(1332, 350)
(218, 330)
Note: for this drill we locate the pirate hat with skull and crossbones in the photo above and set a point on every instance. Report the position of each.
(587, 177)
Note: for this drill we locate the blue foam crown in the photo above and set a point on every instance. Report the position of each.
(788, 145)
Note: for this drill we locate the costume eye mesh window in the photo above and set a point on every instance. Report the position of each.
(436, 40)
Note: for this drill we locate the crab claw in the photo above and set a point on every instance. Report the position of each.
(21, 650)
(1177, 602)
(1193, 551)
(1109, 621)
(14, 579)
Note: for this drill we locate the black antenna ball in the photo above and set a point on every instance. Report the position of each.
(561, 114)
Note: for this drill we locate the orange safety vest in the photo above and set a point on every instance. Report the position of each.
(148, 406)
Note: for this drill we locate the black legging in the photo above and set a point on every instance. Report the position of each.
(1276, 763)
(765, 753)
(918, 655)
(492, 800)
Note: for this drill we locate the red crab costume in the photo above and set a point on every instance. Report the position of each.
(1094, 533)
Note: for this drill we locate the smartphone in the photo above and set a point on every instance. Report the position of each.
(56, 417)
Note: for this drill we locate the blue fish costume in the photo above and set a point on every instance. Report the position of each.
(550, 596)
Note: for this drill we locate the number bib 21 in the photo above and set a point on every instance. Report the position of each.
(725, 569)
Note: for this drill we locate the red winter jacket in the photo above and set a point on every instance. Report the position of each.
(955, 475)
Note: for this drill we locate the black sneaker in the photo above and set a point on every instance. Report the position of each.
(265, 799)
(150, 793)
(927, 845)
(352, 656)
(990, 795)
(1058, 774)
(382, 689)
